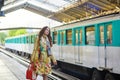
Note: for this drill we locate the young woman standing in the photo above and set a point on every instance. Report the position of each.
(44, 55)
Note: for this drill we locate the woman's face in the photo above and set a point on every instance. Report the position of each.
(46, 31)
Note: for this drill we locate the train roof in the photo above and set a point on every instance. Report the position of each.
(91, 21)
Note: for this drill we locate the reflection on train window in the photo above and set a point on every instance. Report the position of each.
(62, 37)
(90, 35)
(55, 37)
(109, 34)
(80, 36)
(101, 35)
(76, 36)
(69, 36)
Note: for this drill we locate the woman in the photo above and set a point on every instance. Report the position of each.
(43, 59)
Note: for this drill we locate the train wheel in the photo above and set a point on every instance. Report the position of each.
(96, 75)
(108, 76)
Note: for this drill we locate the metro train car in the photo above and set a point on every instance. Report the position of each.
(23, 44)
(92, 45)
(88, 49)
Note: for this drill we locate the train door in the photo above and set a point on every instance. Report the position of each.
(101, 49)
(105, 39)
(78, 47)
(61, 45)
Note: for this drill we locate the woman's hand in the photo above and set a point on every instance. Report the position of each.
(55, 63)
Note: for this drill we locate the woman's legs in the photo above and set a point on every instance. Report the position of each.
(45, 77)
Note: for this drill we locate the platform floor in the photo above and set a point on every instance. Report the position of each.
(10, 69)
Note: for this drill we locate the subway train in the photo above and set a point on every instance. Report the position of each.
(88, 49)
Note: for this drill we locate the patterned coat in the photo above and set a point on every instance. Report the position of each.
(43, 65)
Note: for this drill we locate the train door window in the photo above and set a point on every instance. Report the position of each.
(22, 40)
(69, 36)
(55, 37)
(78, 36)
(62, 37)
(15, 40)
(27, 39)
(101, 34)
(90, 35)
(109, 34)
(12, 40)
(31, 38)
(19, 40)
(35, 36)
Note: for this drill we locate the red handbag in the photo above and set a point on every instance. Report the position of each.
(30, 73)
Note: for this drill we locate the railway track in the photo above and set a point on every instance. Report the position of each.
(56, 73)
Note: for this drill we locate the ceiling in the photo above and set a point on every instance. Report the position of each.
(65, 10)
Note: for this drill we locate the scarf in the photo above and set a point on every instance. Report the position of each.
(45, 40)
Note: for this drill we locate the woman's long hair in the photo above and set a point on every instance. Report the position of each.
(42, 32)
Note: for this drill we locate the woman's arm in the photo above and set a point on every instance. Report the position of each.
(53, 59)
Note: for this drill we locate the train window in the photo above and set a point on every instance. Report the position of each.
(90, 35)
(20, 40)
(69, 36)
(109, 34)
(62, 37)
(55, 37)
(13, 40)
(35, 36)
(17, 40)
(80, 36)
(27, 39)
(32, 38)
(76, 36)
(101, 35)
